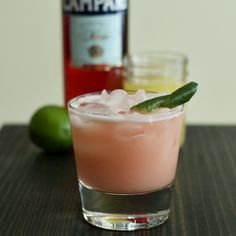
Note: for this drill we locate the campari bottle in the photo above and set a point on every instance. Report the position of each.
(95, 38)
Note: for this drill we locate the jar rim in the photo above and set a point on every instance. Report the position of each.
(151, 56)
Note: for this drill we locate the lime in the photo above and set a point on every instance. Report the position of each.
(178, 97)
(49, 128)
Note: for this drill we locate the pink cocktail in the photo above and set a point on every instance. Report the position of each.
(126, 161)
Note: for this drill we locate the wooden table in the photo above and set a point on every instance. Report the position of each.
(39, 193)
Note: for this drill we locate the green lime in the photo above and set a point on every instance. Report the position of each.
(178, 97)
(49, 128)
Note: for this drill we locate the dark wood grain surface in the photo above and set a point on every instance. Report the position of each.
(39, 193)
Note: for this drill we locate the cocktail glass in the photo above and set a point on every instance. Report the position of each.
(126, 163)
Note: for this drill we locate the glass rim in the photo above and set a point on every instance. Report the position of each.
(113, 117)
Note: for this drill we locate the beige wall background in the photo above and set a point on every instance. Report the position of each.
(31, 55)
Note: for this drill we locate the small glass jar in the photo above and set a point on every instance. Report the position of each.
(155, 72)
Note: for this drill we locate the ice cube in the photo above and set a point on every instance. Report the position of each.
(118, 96)
(104, 96)
(98, 108)
(140, 95)
(118, 101)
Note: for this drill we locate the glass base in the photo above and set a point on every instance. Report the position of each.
(126, 212)
(126, 222)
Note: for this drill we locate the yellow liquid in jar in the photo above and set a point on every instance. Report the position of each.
(156, 84)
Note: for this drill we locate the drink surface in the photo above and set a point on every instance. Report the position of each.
(122, 152)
